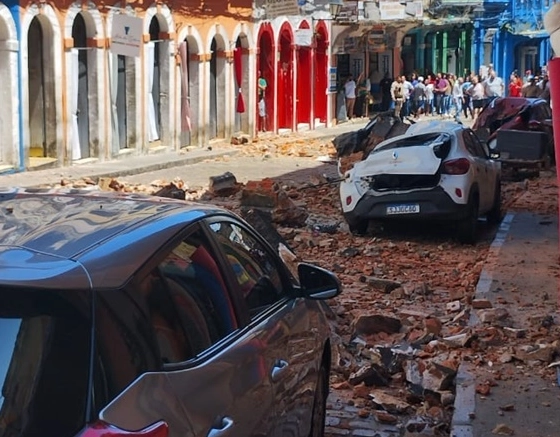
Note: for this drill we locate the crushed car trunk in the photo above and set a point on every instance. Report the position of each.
(409, 163)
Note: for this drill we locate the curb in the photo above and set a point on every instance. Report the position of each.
(465, 395)
(162, 165)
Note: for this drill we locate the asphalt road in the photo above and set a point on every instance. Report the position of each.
(242, 167)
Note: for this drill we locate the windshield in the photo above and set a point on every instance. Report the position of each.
(44, 362)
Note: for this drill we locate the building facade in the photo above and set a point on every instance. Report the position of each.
(511, 36)
(69, 98)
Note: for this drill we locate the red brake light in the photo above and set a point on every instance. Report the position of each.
(456, 166)
(102, 429)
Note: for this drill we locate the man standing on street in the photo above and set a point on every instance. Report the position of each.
(397, 95)
(261, 86)
(350, 95)
(493, 86)
(385, 87)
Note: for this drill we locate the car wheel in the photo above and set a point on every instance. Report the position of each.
(494, 216)
(320, 404)
(358, 227)
(467, 227)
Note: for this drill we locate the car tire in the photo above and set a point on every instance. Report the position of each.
(494, 216)
(358, 227)
(468, 226)
(319, 413)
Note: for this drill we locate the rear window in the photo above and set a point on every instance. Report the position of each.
(440, 142)
(44, 362)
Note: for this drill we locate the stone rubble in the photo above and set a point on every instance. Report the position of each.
(400, 328)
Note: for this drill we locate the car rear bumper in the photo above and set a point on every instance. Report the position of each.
(434, 204)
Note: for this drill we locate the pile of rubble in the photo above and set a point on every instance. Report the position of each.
(401, 327)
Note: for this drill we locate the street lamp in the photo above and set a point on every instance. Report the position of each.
(335, 6)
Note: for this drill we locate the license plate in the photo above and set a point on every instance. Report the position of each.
(403, 209)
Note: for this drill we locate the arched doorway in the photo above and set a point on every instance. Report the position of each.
(265, 65)
(190, 91)
(241, 67)
(153, 56)
(285, 88)
(123, 103)
(321, 73)
(79, 34)
(217, 85)
(304, 84)
(41, 89)
(9, 126)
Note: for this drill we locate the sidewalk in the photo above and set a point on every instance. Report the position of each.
(135, 164)
(521, 276)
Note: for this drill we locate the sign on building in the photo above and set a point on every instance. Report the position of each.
(126, 35)
(303, 37)
(276, 8)
(395, 10)
(333, 84)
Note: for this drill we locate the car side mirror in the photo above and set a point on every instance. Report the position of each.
(494, 154)
(317, 283)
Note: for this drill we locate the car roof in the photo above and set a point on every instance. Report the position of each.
(426, 127)
(77, 238)
(504, 107)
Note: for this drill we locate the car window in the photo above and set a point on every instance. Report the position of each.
(125, 345)
(186, 300)
(255, 268)
(473, 144)
(542, 112)
(198, 290)
(44, 362)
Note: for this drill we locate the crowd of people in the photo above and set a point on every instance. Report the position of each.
(443, 94)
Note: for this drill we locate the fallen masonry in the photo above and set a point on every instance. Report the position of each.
(401, 327)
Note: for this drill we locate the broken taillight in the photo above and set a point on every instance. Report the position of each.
(456, 166)
(103, 429)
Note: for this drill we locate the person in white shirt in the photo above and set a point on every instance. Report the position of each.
(477, 96)
(397, 95)
(350, 95)
(407, 94)
(457, 96)
(493, 86)
(429, 94)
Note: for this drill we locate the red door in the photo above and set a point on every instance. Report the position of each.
(285, 82)
(304, 85)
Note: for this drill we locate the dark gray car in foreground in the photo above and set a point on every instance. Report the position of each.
(143, 316)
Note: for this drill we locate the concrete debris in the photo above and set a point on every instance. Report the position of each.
(376, 323)
(540, 352)
(400, 328)
(503, 429)
(388, 403)
(370, 375)
(492, 315)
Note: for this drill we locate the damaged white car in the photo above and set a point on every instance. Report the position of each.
(437, 170)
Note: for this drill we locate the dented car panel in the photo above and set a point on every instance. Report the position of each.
(436, 170)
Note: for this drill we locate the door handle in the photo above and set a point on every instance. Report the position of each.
(279, 369)
(222, 429)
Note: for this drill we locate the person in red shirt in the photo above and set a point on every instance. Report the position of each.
(515, 85)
